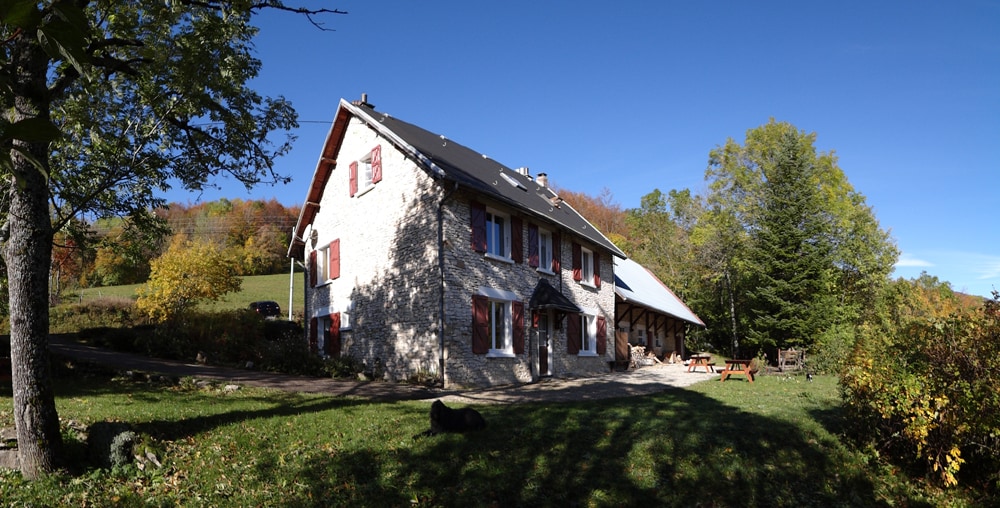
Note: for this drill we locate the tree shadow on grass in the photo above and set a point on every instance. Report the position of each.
(679, 448)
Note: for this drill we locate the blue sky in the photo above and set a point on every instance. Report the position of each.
(633, 95)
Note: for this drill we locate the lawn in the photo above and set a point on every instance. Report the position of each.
(771, 443)
(259, 287)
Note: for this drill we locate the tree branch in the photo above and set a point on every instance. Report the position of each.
(272, 4)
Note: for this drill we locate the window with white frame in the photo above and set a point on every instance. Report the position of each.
(499, 327)
(587, 265)
(345, 316)
(497, 234)
(588, 325)
(497, 323)
(364, 174)
(544, 250)
(328, 259)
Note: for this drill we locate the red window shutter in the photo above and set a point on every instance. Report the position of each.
(516, 240)
(354, 178)
(602, 335)
(574, 333)
(312, 269)
(377, 164)
(556, 252)
(533, 246)
(333, 336)
(313, 334)
(577, 262)
(597, 269)
(477, 212)
(335, 259)
(517, 309)
(480, 318)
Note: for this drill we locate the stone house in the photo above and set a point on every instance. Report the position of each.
(426, 258)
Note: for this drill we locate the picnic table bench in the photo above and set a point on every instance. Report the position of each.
(701, 360)
(741, 367)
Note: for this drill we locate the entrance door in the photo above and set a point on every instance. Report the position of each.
(544, 344)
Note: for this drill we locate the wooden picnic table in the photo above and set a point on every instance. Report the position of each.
(701, 360)
(737, 367)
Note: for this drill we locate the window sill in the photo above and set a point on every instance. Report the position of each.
(546, 271)
(499, 353)
(588, 284)
(501, 259)
(589, 354)
(366, 190)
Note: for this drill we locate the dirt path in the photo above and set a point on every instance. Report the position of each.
(643, 381)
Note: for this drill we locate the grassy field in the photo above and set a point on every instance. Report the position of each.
(772, 443)
(259, 287)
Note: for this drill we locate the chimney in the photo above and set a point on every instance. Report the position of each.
(543, 179)
(363, 101)
(523, 170)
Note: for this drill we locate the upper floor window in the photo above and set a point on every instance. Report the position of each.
(366, 171)
(544, 250)
(541, 253)
(587, 264)
(497, 234)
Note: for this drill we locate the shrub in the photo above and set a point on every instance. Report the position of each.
(109, 312)
(928, 389)
(109, 444)
(343, 367)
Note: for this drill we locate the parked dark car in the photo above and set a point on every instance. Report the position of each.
(267, 309)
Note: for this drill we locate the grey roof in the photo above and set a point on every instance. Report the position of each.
(449, 160)
(636, 284)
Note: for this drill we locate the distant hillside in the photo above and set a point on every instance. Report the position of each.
(258, 287)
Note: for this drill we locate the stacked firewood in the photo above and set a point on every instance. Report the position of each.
(640, 358)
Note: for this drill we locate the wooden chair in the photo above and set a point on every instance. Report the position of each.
(790, 359)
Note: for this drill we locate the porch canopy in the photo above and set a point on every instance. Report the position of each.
(546, 297)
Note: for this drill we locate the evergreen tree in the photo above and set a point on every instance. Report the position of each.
(791, 258)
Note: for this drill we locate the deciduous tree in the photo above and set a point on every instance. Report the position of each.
(796, 252)
(188, 273)
(104, 103)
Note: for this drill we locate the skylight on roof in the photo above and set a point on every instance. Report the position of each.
(513, 181)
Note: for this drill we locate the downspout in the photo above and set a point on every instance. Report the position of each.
(440, 220)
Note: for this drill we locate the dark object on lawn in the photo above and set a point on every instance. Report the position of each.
(267, 309)
(446, 419)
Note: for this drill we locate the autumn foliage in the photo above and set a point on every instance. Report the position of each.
(188, 273)
(923, 386)
(113, 252)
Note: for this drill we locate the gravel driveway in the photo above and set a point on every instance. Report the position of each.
(646, 380)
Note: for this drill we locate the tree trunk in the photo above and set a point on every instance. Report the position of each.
(732, 315)
(28, 255)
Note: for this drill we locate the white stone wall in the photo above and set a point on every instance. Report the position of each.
(388, 260)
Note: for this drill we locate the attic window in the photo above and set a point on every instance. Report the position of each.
(366, 171)
(513, 181)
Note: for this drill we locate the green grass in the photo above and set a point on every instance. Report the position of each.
(259, 287)
(771, 443)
